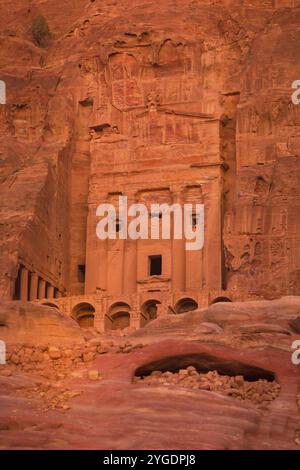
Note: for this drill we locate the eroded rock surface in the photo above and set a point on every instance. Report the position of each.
(244, 393)
(36, 325)
(186, 100)
(174, 92)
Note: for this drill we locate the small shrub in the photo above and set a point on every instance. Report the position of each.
(40, 31)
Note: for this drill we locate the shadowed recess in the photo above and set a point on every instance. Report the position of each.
(204, 363)
(84, 314)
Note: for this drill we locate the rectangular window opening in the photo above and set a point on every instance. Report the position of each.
(17, 291)
(81, 273)
(155, 265)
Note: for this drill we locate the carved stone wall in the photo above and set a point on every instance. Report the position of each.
(137, 98)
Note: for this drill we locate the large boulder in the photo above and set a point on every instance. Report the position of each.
(36, 325)
(279, 312)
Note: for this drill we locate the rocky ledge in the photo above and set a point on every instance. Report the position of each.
(220, 378)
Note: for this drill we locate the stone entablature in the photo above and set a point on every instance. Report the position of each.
(31, 284)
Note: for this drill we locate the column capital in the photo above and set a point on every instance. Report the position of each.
(177, 191)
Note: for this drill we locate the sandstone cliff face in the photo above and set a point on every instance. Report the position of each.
(262, 229)
(230, 59)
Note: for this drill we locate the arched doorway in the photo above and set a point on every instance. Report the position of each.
(220, 299)
(50, 304)
(149, 311)
(186, 305)
(84, 314)
(118, 316)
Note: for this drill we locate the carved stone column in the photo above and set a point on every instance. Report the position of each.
(178, 247)
(24, 284)
(33, 286)
(50, 292)
(161, 310)
(41, 289)
(130, 258)
(135, 320)
(95, 277)
(213, 237)
(99, 315)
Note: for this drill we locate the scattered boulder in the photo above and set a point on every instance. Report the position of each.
(258, 392)
(54, 353)
(93, 374)
(88, 356)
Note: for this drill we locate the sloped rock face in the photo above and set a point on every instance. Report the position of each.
(238, 319)
(34, 325)
(73, 104)
(228, 389)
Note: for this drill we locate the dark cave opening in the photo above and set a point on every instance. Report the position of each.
(205, 363)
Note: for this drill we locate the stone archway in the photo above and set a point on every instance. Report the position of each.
(149, 311)
(186, 304)
(220, 299)
(84, 314)
(50, 304)
(118, 316)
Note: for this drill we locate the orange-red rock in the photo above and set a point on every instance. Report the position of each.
(178, 102)
(172, 101)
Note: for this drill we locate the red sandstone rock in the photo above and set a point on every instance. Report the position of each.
(93, 374)
(176, 102)
(221, 412)
(169, 103)
(54, 353)
(25, 323)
